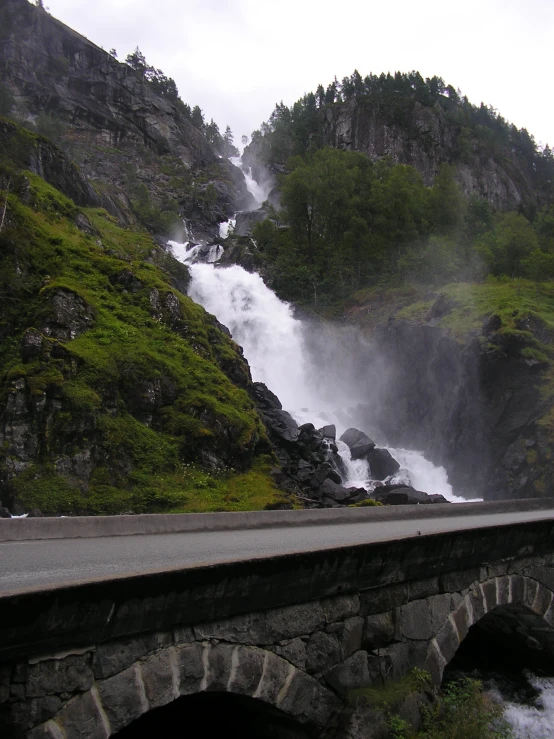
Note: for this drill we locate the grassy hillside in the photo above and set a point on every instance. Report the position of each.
(117, 392)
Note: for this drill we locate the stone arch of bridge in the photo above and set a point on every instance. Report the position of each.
(176, 671)
(516, 603)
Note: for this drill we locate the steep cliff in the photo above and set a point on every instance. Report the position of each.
(117, 392)
(409, 120)
(114, 125)
(467, 377)
(425, 139)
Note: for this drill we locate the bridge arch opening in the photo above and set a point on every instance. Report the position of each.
(215, 714)
(508, 639)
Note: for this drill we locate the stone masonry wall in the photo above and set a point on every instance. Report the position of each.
(303, 659)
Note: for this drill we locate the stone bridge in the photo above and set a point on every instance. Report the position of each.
(275, 642)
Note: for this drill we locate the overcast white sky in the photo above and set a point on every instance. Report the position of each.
(237, 58)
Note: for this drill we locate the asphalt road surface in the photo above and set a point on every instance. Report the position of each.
(35, 565)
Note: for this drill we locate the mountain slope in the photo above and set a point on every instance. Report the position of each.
(117, 392)
(146, 159)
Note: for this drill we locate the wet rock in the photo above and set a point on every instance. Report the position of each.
(441, 307)
(381, 463)
(246, 221)
(31, 344)
(70, 316)
(358, 442)
(329, 432)
(4, 512)
(83, 224)
(491, 325)
(35, 513)
(324, 472)
(336, 493)
(405, 495)
(279, 423)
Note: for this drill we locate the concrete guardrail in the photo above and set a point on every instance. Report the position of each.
(21, 529)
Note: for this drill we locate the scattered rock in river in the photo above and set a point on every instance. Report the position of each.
(381, 464)
(358, 442)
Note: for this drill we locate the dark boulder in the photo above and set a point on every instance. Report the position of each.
(381, 464)
(337, 493)
(246, 221)
(441, 307)
(4, 512)
(329, 432)
(358, 442)
(325, 472)
(35, 513)
(279, 423)
(405, 495)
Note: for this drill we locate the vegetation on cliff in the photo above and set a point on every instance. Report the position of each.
(428, 115)
(117, 392)
(347, 222)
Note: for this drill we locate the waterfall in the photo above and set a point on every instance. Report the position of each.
(321, 373)
(280, 350)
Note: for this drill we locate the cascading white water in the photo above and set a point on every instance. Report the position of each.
(275, 345)
(530, 721)
(259, 191)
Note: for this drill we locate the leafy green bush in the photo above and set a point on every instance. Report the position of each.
(464, 712)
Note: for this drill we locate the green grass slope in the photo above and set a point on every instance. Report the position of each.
(117, 392)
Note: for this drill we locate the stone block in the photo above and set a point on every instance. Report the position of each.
(448, 641)
(542, 601)
(116, 656)
(378, 600)
(309, 701)
(517, 589)
(275, 675)
(36, 711)
(291, 621)
(248, 667)
(399, 659)
(190, 667)
(49, 730)
(348, 675)
(293, 650)
(488, 589)
(503, 590)
(434, 664)
(544, 575)
(184, 635)
(122, 697)
(80, 718)
(531, 589)
(160, 677)
(423, 588)
(422, 619)
(461, 620)
(476, 607)
(456, 582)
(350, 637)
(249, 628)
(340, 607)
(220, 660)
(68, 675)
(5, 679)
(379, 630)
(323, 651)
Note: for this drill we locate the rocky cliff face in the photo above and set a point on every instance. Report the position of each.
(113, 123)
(117, 392)
(425, 141)
(477, 403)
